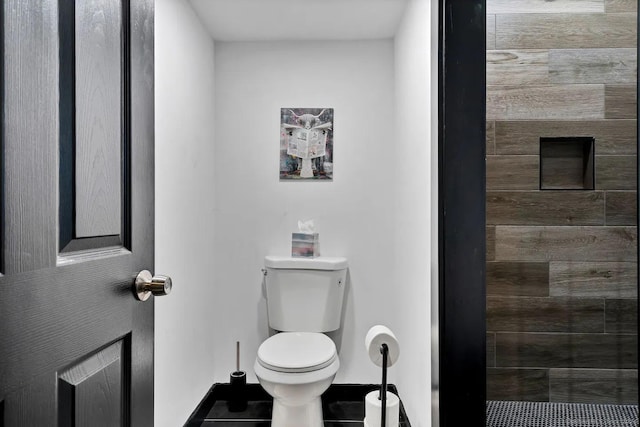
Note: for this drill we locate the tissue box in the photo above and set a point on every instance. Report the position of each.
(304, 245)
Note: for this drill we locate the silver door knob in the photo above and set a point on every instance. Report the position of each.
(146, 284)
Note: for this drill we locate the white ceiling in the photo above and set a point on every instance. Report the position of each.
(262, 20)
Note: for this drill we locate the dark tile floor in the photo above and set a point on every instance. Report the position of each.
(342, 406)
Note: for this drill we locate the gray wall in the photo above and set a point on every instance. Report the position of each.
(561, 264)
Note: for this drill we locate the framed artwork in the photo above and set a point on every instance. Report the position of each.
(306, 143)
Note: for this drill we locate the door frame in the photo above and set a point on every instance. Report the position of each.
(459, 377)
(461, 388)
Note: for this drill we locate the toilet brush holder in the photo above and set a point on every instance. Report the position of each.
(238, 397)
(238, 381)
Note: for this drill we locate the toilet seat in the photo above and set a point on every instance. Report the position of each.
(297, 352)
(266, 375)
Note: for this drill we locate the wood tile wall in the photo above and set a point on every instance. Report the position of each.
(562, 264)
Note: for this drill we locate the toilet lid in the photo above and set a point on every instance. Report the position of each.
(297, 352)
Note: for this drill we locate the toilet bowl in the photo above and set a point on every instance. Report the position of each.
(295, 368)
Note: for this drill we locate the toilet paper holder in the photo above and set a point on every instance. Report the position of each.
(384, 349)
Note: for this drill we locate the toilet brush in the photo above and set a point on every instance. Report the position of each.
(238, 380)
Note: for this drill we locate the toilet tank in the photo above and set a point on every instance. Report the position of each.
(305, 294)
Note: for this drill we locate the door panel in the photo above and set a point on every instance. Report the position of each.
(94, 126)
(98, 95)
(100, 378)
(75, 345)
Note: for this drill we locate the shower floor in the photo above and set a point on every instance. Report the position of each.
(545, 414)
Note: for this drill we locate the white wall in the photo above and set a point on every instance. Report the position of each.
(184, 109)
(256, 213)
(415, 177)
(217, 169)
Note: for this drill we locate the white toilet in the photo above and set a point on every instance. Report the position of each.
(298, 364)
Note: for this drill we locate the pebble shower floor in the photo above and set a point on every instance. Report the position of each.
(544, 414)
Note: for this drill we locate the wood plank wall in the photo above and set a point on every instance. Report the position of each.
(561, 269)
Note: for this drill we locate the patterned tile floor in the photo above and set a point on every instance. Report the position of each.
(544, 414)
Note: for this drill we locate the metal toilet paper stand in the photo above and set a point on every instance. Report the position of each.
(384, 349)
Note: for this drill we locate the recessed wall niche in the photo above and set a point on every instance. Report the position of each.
(567, 163)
